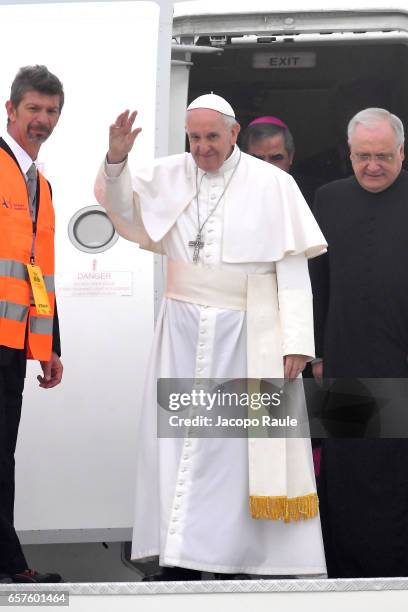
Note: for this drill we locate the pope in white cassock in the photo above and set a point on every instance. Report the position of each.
(237, 234)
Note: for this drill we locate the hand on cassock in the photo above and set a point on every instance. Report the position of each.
(317, 369)
(122, 137)
(294, 365)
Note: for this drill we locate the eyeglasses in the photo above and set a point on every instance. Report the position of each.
(380, 158)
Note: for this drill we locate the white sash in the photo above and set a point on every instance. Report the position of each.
(281, 477)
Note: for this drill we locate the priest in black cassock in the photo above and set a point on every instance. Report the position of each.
(360, 292)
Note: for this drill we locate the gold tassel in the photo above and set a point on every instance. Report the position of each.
(284, 508)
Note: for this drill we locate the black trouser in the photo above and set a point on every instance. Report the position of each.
(12, 374)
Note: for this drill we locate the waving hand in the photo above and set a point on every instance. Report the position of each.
(122, 136)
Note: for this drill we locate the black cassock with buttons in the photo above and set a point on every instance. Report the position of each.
(360, 290)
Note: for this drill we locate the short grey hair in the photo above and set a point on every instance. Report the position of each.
(229, 120)
(36, 78)
(372, 116)
(261, 131)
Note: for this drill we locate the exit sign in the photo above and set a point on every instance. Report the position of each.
(282, 61)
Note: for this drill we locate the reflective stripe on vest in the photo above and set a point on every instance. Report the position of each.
(16, 233)
(41, 325)
(15, 269)
(14, 312)
(49, 283)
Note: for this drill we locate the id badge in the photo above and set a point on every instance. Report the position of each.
(39, 290)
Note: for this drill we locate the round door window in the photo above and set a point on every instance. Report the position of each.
(90, 230)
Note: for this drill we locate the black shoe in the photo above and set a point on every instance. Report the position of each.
(5, 579)
(174, 573)
(232, 577)
(31, 576)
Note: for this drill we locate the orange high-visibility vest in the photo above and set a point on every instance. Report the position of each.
(20, 325)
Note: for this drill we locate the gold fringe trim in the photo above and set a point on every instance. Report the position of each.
(284, 508)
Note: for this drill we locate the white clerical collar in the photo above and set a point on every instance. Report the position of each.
(231, 161)
(22, 157)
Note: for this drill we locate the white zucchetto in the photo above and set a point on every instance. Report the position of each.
(213, 102)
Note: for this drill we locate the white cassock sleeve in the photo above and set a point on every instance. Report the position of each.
(295, 305)
(114, 191)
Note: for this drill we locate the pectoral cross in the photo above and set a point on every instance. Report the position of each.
(197, 244)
